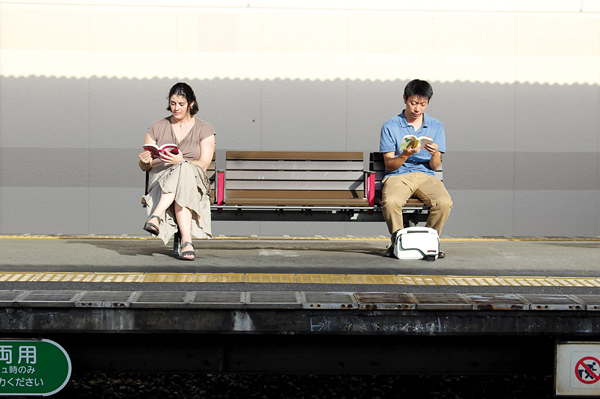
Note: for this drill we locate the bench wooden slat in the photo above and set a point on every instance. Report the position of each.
(294, 165)
(252, 175)
(293, 185)
(414, 202)
(361, 202)
(334, 195)
(295, 155)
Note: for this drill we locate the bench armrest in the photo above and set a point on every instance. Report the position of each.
(220, 187)
(370, 186)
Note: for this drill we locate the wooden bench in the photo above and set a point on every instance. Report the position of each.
(303, 186)
(293, 185)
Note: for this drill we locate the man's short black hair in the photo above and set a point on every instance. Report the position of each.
(419, 88)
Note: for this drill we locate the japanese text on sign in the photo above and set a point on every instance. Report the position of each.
(32, 367)
(26, 354)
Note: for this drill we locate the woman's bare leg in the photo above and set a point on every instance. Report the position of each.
(166, 199)
(153, 223)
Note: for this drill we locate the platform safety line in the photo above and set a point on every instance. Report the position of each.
(291, 278)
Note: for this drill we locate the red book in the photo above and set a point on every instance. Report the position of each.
(156, 150)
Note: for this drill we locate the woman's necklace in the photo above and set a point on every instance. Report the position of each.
(183, 130)
(183, 123)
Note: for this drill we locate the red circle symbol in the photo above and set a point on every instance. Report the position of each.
(587, 370)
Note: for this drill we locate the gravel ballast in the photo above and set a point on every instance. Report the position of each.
(197, 386)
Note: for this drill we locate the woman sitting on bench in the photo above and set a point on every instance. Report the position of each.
(178, 175)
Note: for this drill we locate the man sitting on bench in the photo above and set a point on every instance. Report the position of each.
(411, 171)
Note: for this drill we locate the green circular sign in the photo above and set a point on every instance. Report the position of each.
(33, 367)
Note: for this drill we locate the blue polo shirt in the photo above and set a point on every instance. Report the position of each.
(394, 129)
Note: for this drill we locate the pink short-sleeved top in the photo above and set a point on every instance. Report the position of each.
(162, 132)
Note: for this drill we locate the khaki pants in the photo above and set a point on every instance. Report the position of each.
(429, 189)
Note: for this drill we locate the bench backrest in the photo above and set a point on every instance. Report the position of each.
(293, 178)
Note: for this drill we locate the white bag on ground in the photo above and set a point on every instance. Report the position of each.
(417, 243)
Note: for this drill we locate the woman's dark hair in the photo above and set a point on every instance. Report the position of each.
(419, 88)
(184, 90)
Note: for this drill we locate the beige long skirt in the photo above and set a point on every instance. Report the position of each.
(192, 190)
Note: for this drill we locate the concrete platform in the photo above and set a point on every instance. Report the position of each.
(316, 264)
(557, 257)
(569, 254)
(494, 302)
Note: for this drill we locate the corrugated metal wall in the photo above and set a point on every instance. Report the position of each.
(515, 83)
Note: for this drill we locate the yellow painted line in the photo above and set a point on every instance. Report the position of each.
(424, 280)
(19, 277)
(220, 278)
(291, 278)
(90, 237)
(168, 278)
(117, 278)
(65, 277)
(322, 279)
(575, 281)
(31, 237)
(372, 279)
(528, 281)
(479, 281)
(270, 278)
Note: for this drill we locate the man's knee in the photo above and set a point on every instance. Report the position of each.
(442, 203)
(393, 202)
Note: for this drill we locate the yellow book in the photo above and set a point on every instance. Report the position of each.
(411, 141)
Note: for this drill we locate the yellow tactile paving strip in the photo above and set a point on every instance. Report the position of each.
(291, 278)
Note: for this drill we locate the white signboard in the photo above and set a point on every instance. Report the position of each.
(578, 369)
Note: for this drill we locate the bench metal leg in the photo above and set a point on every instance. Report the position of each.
(177, 244)
(176, 236)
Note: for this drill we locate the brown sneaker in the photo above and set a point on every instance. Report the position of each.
(441, 255)
(389, 252)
